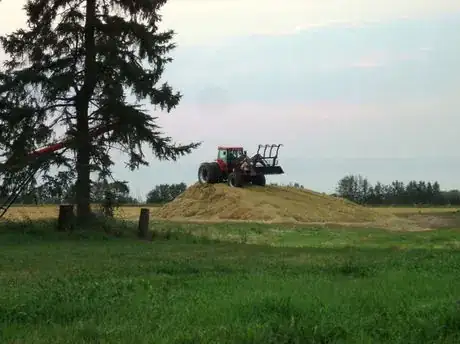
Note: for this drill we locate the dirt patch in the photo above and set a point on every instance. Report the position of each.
(273, 204)
(436, 221)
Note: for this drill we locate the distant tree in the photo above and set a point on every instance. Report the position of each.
(60, 188)
(177, 189)
(296, 185)
(165, 192)
(397, 193)
(56, 189)
(73, 67)
(117, 192)
(379, 193)
(364, 190)
(451, 197)
(437, 194)
(353, 188)
(359, 190)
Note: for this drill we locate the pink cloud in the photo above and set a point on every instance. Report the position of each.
(319, 129)
(368, 63)
(259, 122)
(380, 59)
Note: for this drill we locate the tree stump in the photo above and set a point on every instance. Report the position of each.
(144, 219)
(66, 219)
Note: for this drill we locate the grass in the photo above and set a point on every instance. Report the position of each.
(227, 283)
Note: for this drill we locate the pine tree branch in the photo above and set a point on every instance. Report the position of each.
(68, 60)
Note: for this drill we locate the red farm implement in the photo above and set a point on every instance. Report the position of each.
(23, 170)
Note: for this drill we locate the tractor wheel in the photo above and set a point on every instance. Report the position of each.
(235, 180)
(259, 179)
(208, 173)
(203, 176)
(214, 172)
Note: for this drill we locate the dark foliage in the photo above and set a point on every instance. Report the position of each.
(359, 190)
(80, 65)
(165, 192)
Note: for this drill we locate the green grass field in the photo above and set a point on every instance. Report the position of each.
(229, 284)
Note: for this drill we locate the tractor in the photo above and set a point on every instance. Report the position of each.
(235, 167)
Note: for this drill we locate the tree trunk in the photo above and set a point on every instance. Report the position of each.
(83, 140)
(83, 184)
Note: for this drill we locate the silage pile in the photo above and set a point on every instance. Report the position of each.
(273, 204)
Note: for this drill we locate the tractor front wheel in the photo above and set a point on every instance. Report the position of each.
(259, 179)
(235, 180)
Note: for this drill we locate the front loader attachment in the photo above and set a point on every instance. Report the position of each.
(266, 159)
(268, 170)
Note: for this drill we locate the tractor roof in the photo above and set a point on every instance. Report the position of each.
(229, 148)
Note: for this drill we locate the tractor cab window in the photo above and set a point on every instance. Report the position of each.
(222, 154)
(235, 154)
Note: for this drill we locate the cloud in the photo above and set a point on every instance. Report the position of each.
(12, 16)
(326, 129)
(388, 61)
(381, 58)
(208, 22)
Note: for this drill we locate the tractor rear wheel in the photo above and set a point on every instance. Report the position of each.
(235, 180)
(215, 173)
(208, 173)
(259, 179)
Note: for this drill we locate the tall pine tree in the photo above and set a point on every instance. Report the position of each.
(74, 67)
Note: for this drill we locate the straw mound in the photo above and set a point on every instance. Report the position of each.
(219, 202)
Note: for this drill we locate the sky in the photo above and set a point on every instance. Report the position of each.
(350, 86)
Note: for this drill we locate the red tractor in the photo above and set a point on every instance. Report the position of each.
(234, 167)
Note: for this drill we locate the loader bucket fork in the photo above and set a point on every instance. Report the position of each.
(266, 159)
(269, 152)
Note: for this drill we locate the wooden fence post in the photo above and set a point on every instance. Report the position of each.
(66, 219)
(144, 219)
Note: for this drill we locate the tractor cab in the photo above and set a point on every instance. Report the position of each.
(228, 154)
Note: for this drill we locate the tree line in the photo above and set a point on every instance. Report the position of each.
(58, 190)
(357, 188)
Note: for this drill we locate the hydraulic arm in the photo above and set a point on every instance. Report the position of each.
(26, 169)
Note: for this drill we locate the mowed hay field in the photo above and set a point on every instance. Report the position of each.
(45, 212)
(40, 212)
(228, 283)
(219, 203)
